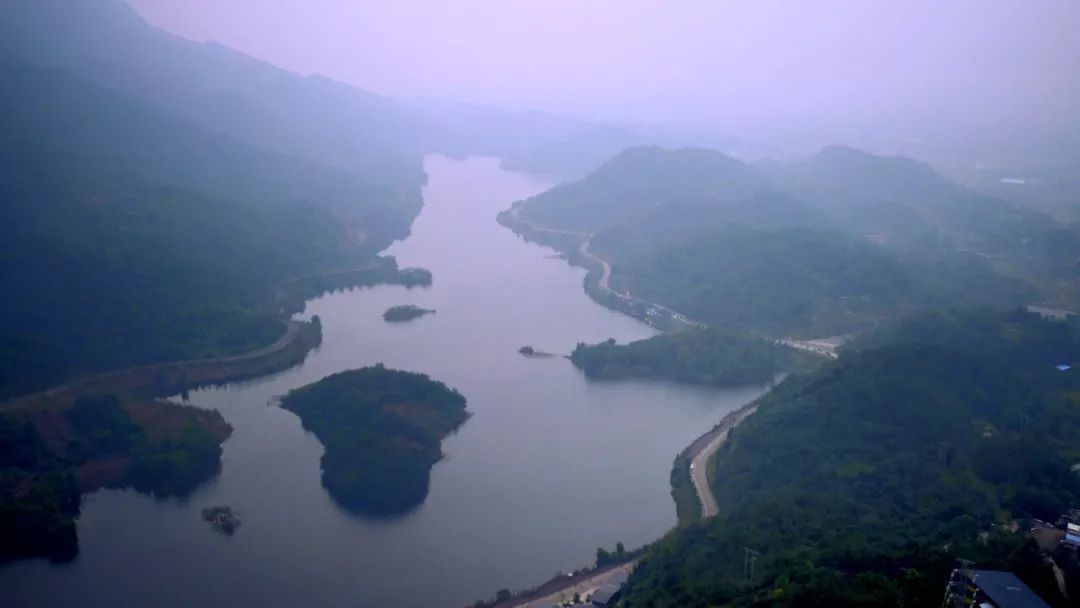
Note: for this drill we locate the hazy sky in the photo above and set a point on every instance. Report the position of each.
(916, 65)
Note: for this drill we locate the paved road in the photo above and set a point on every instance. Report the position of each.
(605, 275)
(583, 588)
(700, 462)
(292, 329)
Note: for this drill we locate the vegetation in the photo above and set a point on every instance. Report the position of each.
(710, 356)
(104, 201)
(860, 484)
(683, 492)
(832, 245)
(405, 312)
(382, 430)
(48, 458)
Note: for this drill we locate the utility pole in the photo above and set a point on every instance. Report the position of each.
(749, 558)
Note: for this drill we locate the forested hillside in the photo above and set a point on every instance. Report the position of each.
(145, 218)
(831, 245)
(861, 484)
(129, 237)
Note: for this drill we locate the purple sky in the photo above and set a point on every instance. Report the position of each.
(916, 65)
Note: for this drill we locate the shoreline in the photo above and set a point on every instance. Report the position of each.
(291, 348)
(164, 379)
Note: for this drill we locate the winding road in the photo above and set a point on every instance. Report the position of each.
(699, 463)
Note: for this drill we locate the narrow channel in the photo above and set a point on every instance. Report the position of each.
(549, 467)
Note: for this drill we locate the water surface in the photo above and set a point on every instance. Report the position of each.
(549, 467)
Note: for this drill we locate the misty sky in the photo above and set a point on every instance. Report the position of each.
(914, 65)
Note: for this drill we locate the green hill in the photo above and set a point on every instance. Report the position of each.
(861, 484)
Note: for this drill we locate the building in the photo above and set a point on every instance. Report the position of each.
(618, 578)
(606, 595)
(990, 589)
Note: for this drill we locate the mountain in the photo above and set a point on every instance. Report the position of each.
(639, 179)
(154, 191)
(731, 244)
(903, 201)
(217, 89)
(127, 237)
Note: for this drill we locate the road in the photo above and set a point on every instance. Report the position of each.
(822, 346)
(582, 588)
(292, 331)
(604, 282)
(699, 464)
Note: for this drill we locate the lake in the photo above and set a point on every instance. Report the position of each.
(549, 467)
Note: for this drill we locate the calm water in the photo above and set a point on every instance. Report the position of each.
(549, 467)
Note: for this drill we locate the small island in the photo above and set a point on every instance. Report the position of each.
(382, 430)
(405, 312)
(222, 519)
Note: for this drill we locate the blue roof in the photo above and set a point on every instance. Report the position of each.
(1007, 591)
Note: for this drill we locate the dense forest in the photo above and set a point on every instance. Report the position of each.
(382, 430)
(862, 483)
(48, 457)
(781, 249)
(709, 357)
(130, 237)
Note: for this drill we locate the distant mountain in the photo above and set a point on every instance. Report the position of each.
(106, 140)
(639, 179)
(215, 88)
(788, 248)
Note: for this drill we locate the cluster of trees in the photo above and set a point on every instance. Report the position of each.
(39, 496)
(860, 484)
(39, 491)
(830, 245)
(382, 430)
(709, 356)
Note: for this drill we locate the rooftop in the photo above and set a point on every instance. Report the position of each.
(1007, 591)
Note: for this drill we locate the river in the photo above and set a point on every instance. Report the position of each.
(549, 467)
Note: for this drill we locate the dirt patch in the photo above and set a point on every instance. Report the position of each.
(102, 472)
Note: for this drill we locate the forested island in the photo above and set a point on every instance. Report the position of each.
(702, 356)
(382, 430)
(862, 483)
(405, 312)
(50, 456)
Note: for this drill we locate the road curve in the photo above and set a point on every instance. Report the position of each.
(699, 464)
(290, 335)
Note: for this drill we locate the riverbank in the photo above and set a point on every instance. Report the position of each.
(162, 379)
(575, 247)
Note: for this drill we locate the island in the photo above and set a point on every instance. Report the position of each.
(222, 519)
(711, 357)
(405, 312)
(382, 430)
(529, 351)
